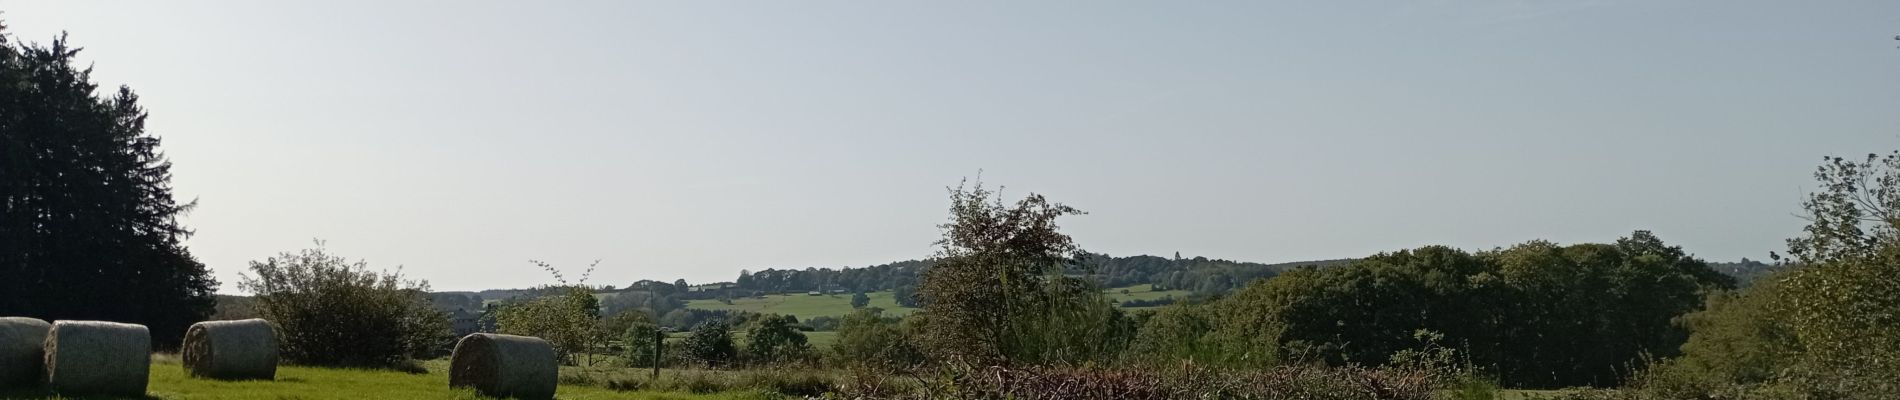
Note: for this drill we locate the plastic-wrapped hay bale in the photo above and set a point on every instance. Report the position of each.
(244, 349)
(505, 366)
(98, 358)
(22, 341)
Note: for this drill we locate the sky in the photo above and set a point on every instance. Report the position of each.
(693, 139)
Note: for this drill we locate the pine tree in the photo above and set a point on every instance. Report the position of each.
(88, 226)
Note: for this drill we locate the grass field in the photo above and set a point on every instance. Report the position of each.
(1143, 292)
(804, 306)
(170, 382)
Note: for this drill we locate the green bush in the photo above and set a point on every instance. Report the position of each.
(1536, 314)
(569, 320)
(1826, 327)
(639, 340)
(774, 339)
(867, 339)
(332, 312)
(710, 345)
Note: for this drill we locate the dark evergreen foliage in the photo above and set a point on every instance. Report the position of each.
(88, 225)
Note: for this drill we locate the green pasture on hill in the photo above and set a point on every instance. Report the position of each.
(1143, 292)
(804, 306)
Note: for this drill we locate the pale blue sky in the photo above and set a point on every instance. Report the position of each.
(696, 138)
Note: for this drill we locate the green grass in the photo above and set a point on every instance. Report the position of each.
(168, 381)
(804, 306)
(1143, 292)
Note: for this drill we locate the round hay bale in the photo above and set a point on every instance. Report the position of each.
(244, 349)
(98, 358)
(22, 342)
(505, 366)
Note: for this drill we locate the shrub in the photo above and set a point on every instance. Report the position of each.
(997, 293)
(569, 320)
(1537, 314)
(1178, 332)
(773, 339)
(710, 345)
(639, 340)
(867, 339)
(1824, 327)
(332, 312)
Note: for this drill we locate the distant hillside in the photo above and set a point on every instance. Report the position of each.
(1199, 275)
(1146, 277)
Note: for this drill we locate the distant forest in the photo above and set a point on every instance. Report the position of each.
(1203, 276)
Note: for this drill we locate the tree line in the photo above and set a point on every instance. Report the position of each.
(1201, 275)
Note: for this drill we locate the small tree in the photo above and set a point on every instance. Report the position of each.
(1841, 302)
(570, 320)
(711, 344)
(333, 312)
(639, 339)
(773, 339)
(859, 300)
(997, 295)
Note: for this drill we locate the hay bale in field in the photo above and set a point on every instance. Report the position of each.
(98, 358)
(22, 341)
(243, 349)
(505, 366)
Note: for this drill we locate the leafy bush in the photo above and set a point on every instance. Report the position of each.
(1825, 326)
(333, 312)
(1178, 332)
(710, 345)
(997, 293)
(639, 340)
(869, 340)
(570, 321)
(1536, 314)
(773, 339)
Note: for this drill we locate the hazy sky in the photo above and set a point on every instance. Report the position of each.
(697, 138)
